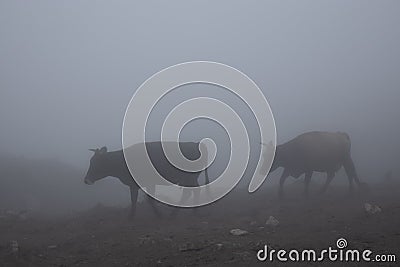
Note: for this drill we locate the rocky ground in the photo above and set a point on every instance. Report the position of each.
(103, 236)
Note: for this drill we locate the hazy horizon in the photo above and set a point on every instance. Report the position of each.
(69, 69)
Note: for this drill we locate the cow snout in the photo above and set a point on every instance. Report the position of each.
(89, 182)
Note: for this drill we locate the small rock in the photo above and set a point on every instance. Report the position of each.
(372, 209)
(252, 223)
(52, 247)
(14, 246)
(238, 232)
(219, 246)
(145, 240)
(272, 221)
(190, 247)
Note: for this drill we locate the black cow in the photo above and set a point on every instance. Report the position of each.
(315, 151)
(104, 164)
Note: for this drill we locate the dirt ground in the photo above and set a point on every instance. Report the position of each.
(103, 236)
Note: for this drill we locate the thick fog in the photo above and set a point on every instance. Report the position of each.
(68, 70)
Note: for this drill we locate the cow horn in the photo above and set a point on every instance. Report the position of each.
(94, 150)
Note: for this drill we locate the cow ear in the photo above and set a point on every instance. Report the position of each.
(94, 150)
(103, 150)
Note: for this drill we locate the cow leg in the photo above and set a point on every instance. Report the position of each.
(351, 185)
(282, 180)
(196, 196)
(307, 179)
(152, 202)
(329, 177)
(134, 195)
(351, 174)
(186, 193)
(196, 199)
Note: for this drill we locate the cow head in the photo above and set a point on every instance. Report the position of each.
(98, 167)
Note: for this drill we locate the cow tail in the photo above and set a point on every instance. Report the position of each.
(207, 179)
(346, 135)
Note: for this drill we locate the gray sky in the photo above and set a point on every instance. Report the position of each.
(69, 68)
